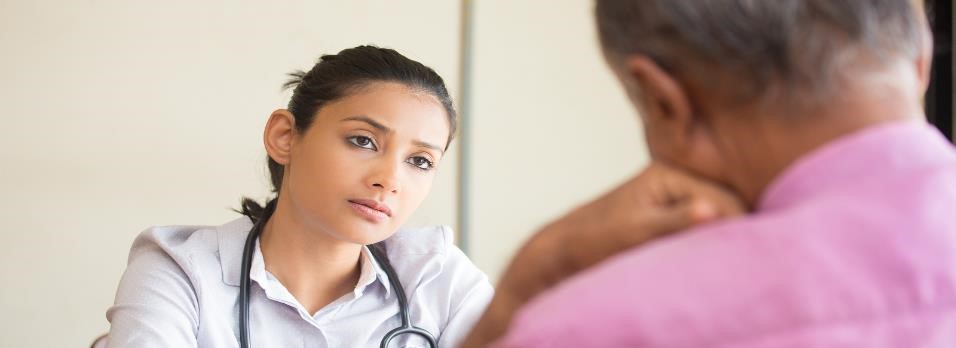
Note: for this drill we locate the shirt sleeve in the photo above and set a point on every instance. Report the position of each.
(584, 311)
(677, 291)
(156, 304)
(470, 309)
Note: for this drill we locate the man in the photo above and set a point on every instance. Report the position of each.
(809, 112)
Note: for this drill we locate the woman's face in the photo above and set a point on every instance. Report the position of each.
(366, 162)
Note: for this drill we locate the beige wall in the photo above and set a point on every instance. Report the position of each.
(121, 115)
(118, 115)
(550, 126)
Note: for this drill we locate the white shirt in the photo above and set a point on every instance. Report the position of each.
(181, 289)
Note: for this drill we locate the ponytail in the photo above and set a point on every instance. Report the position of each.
(257, 212)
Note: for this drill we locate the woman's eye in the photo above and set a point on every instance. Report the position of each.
(362, 141)
(421, 162)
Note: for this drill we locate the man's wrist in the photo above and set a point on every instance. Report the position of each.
(539, 264)
(534, 269)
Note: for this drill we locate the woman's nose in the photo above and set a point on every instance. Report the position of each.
(385, 177)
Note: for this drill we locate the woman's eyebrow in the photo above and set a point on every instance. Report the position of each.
(375, 124)
(384, 129)
(429, 145)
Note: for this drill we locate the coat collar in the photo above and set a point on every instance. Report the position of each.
(232, 239)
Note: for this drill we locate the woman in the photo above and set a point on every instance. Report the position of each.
(351, 158)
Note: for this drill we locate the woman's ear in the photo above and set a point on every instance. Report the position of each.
(279, 135)
(665, 103)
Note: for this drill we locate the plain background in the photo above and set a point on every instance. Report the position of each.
(120, 115)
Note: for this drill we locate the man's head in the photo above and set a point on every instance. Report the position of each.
(736, 89)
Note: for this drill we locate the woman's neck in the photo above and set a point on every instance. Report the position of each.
(316, 268)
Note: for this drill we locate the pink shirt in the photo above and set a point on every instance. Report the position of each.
(854, 245)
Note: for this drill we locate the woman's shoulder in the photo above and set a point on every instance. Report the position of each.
(422, 240)
(438, 276)
(429, 254)
(169, 270)
(186, 244)
(426, 245)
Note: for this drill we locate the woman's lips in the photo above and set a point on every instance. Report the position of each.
(371, 210)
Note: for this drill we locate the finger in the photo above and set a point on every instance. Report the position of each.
(702, 210)
(681, 216)
(688, 187)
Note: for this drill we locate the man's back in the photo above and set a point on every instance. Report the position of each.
(854, 245)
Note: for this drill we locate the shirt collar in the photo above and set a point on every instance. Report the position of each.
(371, 271)
(232, 239)
(884, 148)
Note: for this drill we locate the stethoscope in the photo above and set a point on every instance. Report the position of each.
(377, 254)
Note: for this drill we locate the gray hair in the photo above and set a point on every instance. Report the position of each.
(790, 46)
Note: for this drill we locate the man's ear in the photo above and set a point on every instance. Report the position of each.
(279, 136)
(924, 59)
(664, 101)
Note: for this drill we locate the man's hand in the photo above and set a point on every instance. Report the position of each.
(658, 201)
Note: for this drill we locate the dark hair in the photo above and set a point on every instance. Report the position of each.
(336, 76)
(764, 47)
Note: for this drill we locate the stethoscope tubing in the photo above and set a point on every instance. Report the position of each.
(377, 252)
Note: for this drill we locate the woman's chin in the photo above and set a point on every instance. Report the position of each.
(366, 236)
